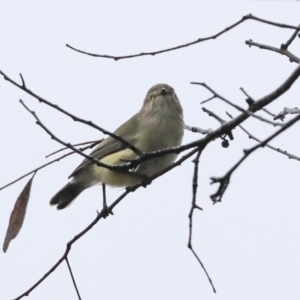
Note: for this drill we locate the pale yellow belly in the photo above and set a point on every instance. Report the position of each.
(94, 175)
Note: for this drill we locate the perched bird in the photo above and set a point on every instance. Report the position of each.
(158, 125)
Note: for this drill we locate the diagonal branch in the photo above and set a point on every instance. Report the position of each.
(91, 143)
(43, 166)
(68, 145)
(73, 279)
(75, 118)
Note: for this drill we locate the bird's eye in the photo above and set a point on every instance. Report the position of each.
(151, 97)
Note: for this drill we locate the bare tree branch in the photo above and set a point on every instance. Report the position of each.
(225, 143)
(73, 279)
(199, 40)
(218, 96)
(287, 111)
(23, 81)
(291, 56)
(225, 180)
(268, 112)
(68, 145)
(212, 114)
(251, 136)
(291, 39)
(42, 166)
(283, 48)
(246, 94)
(250, 100)
(191, 214)
(91, 143)
(75, 118)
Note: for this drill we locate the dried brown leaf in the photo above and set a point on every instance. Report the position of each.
(17, 215)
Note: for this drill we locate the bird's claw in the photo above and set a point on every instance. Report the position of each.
(105, 212)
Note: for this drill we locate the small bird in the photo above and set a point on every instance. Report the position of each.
(158, 125)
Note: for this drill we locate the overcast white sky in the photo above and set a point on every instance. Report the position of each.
(249, 243)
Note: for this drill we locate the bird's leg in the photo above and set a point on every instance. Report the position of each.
(104, 196)
(105, 211)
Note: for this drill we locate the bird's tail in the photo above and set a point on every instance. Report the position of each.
(66, 195)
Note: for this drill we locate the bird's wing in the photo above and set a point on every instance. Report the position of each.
(111, 145)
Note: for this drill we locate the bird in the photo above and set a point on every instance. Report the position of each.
(157, 125)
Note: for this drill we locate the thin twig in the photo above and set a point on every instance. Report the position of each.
(75, 118)
(209, 99)
(246, 94)
(291, 39)
(94, 143)
(194, 188)
(285, 52)
(91, 158)
(287, 111)
(250, 101)
(265, 120)
(39, 168)
(281, 25)
(252, 137)
(23, 81)
(73, 279)
(268, 112)
(212, 114)
(199, 40)
(191, 214)
(218, 96)
(224, 181)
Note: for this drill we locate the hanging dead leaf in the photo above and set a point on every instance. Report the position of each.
(17, 215)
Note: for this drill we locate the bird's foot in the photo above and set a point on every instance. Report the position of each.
(105, 212)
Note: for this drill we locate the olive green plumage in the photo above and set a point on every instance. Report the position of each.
(158, 125)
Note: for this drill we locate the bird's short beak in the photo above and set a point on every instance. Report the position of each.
(163, 91)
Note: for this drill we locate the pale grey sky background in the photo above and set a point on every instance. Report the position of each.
(249, 243)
